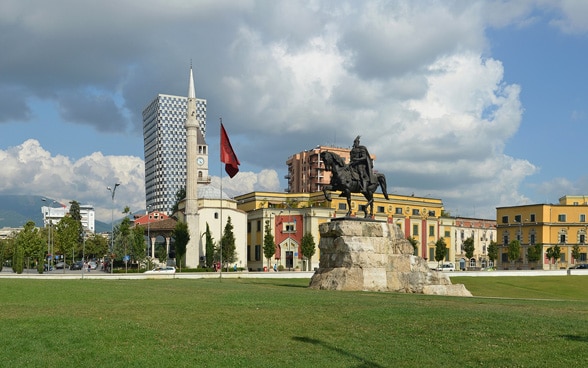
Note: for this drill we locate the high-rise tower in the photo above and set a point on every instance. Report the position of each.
(164, 136)
(191, 209)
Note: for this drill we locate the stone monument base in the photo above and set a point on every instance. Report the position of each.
(375, 256)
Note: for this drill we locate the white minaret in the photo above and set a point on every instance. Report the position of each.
(191, 211)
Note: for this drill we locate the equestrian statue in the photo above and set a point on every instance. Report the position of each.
(356, 177)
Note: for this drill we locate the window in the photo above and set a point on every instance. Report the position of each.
(505, 240)
(505, 219)
(432, 213)
(432, 230)
(532, 217)
(249, 227)
(289, 227)
(415, 229)
(342, 206)
(517, 219)
(398, 211)
(532, 239)
(582, 239)
(562, 238)
(381, 209)
(361, 208)
(447, 233)
(562, 257)
(561, 218)
(582, 218)
(415, 211)
(258, 252)
(258, 225)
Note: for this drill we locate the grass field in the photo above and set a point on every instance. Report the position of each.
(511, 322)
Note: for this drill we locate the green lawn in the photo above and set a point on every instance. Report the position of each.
(511, 322)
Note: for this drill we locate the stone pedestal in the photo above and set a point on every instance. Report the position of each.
(375, 256)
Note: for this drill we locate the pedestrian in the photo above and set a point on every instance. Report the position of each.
(275, 267)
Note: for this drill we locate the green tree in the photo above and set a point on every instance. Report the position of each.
(469, 247)
(493, 252)
(123, 236)
(440, 250)
(229, 251)
(575, 253)
(180, 196)
(3, 246)
(66, 235)
(32, 243)
(269, 245)
(96, 246)
(209, 247)
(182, 237)
(18, 257)
(414, 244)
(138, 244)
(514, 251)
(308, 248)
(535, 253)
(554, 253)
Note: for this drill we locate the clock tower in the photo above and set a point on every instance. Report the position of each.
(202, 160)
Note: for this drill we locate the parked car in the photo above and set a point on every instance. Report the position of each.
(93, 265)
(161, 270)
(582, 266)
(446, 267)
(77, 266)
(60, 265)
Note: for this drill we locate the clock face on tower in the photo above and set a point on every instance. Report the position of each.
(200, 161)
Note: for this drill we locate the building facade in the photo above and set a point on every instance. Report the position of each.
(562, 224)
(52, 216)
(164, 138)
(306, 171)
(456, 230)
(291, 215)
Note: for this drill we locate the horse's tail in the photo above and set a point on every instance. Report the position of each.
(382, 182)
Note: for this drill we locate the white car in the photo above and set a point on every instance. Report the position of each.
(161, 270)
(446, 267)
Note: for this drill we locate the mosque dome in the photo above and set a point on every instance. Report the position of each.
(209, 191)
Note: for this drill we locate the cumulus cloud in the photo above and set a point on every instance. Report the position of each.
(415, 79)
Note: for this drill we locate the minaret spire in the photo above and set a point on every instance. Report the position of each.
(191, 209)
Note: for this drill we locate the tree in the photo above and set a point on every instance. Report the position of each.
(32, 244)
(514, 251)
(182, 237)
(535, 253)
(209, 247)
(269, 245)
(308, 248)
(123, 240)
(493, 251)
(440, 250)
(575, 253)
(414, 244)
(180, 196)
(227, 244)
(67, 234)
(96, 246)
(137, 244)
(469, 247)
(554, 252)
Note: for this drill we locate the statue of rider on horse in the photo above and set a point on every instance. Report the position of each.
(357, 177)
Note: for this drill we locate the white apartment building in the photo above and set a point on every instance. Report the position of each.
(52, 215)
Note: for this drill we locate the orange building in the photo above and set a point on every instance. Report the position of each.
(306, 171)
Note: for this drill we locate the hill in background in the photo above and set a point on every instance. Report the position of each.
(16, 210)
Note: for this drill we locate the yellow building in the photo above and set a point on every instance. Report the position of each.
(563, 224)
(291, 215)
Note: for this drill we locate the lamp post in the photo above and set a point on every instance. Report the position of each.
(49, 250)
(148, 235)
(112, 190)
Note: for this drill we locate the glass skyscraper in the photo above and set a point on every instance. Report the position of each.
(164, 136)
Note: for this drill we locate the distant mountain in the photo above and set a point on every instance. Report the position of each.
(17, 210)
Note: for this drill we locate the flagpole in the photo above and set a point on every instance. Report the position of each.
(220, 277)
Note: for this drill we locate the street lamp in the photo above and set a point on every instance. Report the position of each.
(49, 250)
(148, 235)
(112, 190)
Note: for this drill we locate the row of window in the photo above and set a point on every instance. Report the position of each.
(560, 218)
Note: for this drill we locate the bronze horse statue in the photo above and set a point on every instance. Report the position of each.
(347, 180)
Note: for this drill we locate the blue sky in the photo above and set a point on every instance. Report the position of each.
(479, 103)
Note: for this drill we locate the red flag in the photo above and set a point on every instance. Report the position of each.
(228, 156)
